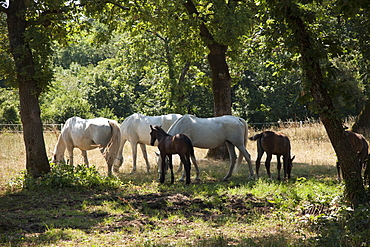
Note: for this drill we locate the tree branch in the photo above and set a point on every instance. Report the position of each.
(118, 5)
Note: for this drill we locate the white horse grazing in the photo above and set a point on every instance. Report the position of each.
(136, 130)
(88, 134)
(212, 132)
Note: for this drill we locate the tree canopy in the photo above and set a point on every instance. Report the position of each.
(204, 57)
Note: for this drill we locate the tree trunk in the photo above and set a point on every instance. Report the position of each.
(362, 124)
(36, 159)
(355, 190)
(221, 88)
(221, 80)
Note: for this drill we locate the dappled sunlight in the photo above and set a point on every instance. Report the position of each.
(138, 209)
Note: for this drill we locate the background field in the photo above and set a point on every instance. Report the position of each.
(303, 211)
(310, 145)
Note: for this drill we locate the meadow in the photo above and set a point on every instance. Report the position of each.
(82, 207)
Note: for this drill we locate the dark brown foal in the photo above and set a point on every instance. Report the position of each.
(273, 143)
(178, 144)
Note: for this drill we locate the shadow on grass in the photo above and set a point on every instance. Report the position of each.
(27, 214)
(142, 206)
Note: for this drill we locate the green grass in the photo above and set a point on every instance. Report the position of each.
(85, 209)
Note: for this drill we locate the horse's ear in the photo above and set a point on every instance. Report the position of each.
(151, 127)
(156, 154)
(293, 158)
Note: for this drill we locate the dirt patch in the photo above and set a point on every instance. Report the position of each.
(190, 206)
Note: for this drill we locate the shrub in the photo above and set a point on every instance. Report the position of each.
(63, 175)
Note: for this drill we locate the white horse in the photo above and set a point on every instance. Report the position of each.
(212, 132)
(136, 130)
(88, 134)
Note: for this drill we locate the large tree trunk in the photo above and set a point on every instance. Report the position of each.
(221, 80)
(36, 159)
(221, 88)
(355, 190)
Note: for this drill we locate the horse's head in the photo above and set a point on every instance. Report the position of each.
(290, 166)
(57, 158)
(154, 133)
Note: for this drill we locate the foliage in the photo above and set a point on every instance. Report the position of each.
(67, 176)
(118, 66)
(65, 99)
(9, 106)
(332, 49)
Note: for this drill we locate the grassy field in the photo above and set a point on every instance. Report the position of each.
(83, 207)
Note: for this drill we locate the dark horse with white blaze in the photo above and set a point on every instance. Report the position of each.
(273, 143)
(360, 146)
(177, 144)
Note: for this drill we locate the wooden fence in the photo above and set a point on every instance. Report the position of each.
(17, 128)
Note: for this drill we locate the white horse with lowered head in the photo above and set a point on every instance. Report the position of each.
(136, 130)
(212, 132)
(88, 134)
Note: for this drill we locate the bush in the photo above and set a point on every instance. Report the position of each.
(66, 176)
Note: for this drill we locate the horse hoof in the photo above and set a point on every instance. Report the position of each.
(181, 179)
(225, 179)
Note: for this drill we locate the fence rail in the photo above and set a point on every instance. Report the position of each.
(17, 128)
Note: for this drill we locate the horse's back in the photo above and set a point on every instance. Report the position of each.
(275, 143)
(209, 132)
(357, 141)
(86, 134)
(136, 127)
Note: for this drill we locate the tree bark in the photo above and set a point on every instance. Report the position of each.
(221, 79)
(36, 159)
(355, 190)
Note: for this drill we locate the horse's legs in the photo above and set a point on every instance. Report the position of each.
(84, 154)
(70, 154)
(162, 175)
(279, 165)
(243, 151)
(145, 155)
(171, 167)
(231, 149)
(134, 155)
(180, 167)
(187, 166)
(196, 167)
(258, 161)
(267, 164)
(119, 159)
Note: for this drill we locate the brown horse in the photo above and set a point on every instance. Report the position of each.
(178, 144)
(361, 147)
(273, 143)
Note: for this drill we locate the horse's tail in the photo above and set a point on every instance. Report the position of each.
(240, 158)
(111, 149)
(256, 137)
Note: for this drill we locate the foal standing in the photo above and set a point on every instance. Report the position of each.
(273, 143)
(178, 144)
